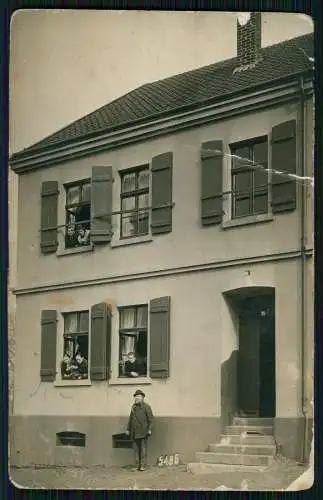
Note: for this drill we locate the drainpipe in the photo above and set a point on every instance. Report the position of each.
(303, 161)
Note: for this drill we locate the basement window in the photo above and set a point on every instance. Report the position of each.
(70, 438)
(121, 441)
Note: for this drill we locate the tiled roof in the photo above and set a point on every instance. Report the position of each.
(186, 90)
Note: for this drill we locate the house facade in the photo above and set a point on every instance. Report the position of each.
(170, 235)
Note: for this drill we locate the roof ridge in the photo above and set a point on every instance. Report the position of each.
(223, 61)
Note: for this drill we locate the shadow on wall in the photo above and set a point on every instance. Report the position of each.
(229, 389)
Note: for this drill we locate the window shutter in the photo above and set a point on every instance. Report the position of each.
(101, 205)
(100, 342)
(284, 159)
(162, 193)
(48, 345)
(49, 205)
(211, 182)
(159, 337)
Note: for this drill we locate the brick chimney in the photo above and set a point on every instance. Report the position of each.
(248, 40)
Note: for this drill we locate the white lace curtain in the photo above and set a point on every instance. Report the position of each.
(129, 320)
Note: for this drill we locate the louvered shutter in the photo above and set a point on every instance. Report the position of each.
(48, 345)
(49, 207)
(101, 205)
(211, 182)
(159, 337)
(283, 158)
(100, 342)
(162, 193)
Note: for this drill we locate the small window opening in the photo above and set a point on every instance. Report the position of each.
(70, 438)
(121, 441)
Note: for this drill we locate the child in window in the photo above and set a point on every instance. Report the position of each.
(66, 369)
(83, 235)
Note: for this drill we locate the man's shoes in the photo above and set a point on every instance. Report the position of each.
(142, 469)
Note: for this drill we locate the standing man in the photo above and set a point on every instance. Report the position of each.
(139, 428)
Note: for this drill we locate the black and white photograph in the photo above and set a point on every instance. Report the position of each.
(161, 242)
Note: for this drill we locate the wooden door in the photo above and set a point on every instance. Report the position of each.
(249, 363)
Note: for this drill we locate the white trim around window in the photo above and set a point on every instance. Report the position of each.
(228, 221)
(59, 381)
(116, 240)
(115, 322)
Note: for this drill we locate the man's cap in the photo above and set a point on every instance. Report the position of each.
(139, 393)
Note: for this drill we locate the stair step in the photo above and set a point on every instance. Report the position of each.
(233, 459)
(250, 429)
(247, 439)
(253, 421)
(249, 449)
(203, 468)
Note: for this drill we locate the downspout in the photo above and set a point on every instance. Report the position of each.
(303, 240)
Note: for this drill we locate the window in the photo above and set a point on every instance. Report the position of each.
(133, 339)
(78, 214)
(70, 438)
(249, 179)
(121, 440)
(134, 202)
(74, 364)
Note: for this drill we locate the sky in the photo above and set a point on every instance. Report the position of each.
(67, 63)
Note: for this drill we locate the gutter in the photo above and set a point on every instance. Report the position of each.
(303, 230)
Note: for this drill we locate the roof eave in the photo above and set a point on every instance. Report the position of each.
(19, 160)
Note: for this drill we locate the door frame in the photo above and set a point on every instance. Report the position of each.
(234, 299)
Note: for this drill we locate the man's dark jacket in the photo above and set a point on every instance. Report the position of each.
(137, 366)
(140, 420)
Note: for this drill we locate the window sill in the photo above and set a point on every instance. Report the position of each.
(132, 241)
(72, 251)
(244, 221)
(130, 381)
(72, 383)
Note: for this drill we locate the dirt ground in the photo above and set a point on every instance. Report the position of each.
(276, 477)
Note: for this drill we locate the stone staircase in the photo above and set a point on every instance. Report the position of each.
(247, 444)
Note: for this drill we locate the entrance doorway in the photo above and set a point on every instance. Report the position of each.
(256, 356)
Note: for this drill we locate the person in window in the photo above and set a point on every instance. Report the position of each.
(82, 365)
(83, 235)
(71, 238)
(66, 369)
(134, 367)
(139, 428)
